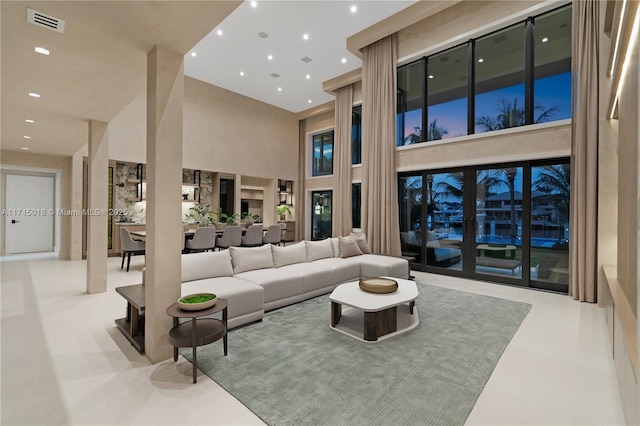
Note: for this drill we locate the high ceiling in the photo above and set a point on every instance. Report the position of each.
(258, 29)
(97, 66)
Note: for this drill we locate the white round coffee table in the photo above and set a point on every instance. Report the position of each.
(371, 317)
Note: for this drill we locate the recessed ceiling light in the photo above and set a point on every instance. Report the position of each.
(254, 4)
(279, 89)
(270, 57)
(219, 32)
(344, 60)
(194, 54)
(481, 60)
(431, 76)
(546, 39)
(25, 148)
(309, 101)
(27, 137)
(241, 73)
(305, 36)
(354, 9)
(308, 76)
(42, 50)
(34, 95)
(29, 120)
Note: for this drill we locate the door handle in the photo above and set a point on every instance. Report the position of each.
(15, 221)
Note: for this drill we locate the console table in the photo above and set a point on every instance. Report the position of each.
(132, 325)
(198, 331)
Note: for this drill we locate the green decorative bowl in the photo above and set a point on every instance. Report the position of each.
(197, 302)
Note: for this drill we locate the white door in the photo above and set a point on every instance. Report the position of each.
(29, 214)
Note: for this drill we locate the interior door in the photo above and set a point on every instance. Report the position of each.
(29, 214)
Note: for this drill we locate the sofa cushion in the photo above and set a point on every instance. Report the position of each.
(318, 250)
(251, 258)
(362, 242)
(314, 276)
(335, 246)
(348, 247)
(282, 256)
(277, 283)
(375, 265)
(344, 270)
(442, 254)
(198, 266)
(244, 297)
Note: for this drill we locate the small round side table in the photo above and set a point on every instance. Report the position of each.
(198, 331)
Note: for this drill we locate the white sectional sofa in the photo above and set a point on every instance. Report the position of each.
(258, 279)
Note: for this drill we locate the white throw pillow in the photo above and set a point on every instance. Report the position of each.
(335, 246)
(282, 256)
(318, 250)
(349, 246)
(198, 266)
(251, 258)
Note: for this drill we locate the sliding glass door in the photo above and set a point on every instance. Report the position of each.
(321, 215)
(506, 223)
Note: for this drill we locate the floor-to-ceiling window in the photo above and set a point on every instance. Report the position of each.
(322, 154)
(506, 222)
(321, 215)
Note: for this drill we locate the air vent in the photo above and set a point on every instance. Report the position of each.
(46, 21)
(306, 59)
(274, 75)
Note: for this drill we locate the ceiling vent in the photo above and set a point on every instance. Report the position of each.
(46, 21)
(274, 75)
(306, 59)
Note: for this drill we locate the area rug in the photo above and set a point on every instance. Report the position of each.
(292, 369)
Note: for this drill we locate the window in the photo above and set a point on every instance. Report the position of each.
(323, 154)
(356, 201)
(321, 214)
(410, 103)
(447, 94)
(499, 83)
(515, 76)
(356, 135)
(552, 61)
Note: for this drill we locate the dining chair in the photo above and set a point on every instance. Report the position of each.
(204, 239)
(129, 246)
(231, 237)
(273, 235)
(253, 236)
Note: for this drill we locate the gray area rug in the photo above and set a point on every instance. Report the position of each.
(292, 369)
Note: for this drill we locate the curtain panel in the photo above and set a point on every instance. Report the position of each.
(584, 152)
(341, 210)
(379, 176)
(299, 185)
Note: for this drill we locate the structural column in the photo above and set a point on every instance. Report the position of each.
(97, 207)
(75, 222)
(165, 93)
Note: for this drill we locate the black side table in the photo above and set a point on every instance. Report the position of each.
(197, 332)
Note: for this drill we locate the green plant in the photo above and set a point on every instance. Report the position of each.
(200, 214)
(198, 298)
(283, 209)
(230, 219)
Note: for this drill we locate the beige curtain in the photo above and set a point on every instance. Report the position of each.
(341, 209)
(584, 152)
(299, 185)
(379, 178)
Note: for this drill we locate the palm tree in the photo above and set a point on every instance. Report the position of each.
(511, 172)
(511, 115)
(555, 182)
(434, 132)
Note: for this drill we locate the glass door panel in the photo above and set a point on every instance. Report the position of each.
(410, 195)
(498, 222)
(444, 220)
(550, 190)
(321, 215)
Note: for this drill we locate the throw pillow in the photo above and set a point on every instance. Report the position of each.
(282, 256)
(362, 243)
(318, 250)
(251, 258)
(198, 266)
(335, 246)
(348, 247)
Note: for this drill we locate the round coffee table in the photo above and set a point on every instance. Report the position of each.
(198, 331)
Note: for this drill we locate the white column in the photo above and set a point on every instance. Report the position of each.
(97, 202)
(75, 225)
(165, 93)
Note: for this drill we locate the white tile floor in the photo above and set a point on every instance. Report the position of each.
(64, 362)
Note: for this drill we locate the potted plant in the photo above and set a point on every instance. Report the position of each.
(230, 219)
(201, 215)
(283, 210)
(219, 219)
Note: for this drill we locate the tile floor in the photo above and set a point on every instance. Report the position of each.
(64, 362)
